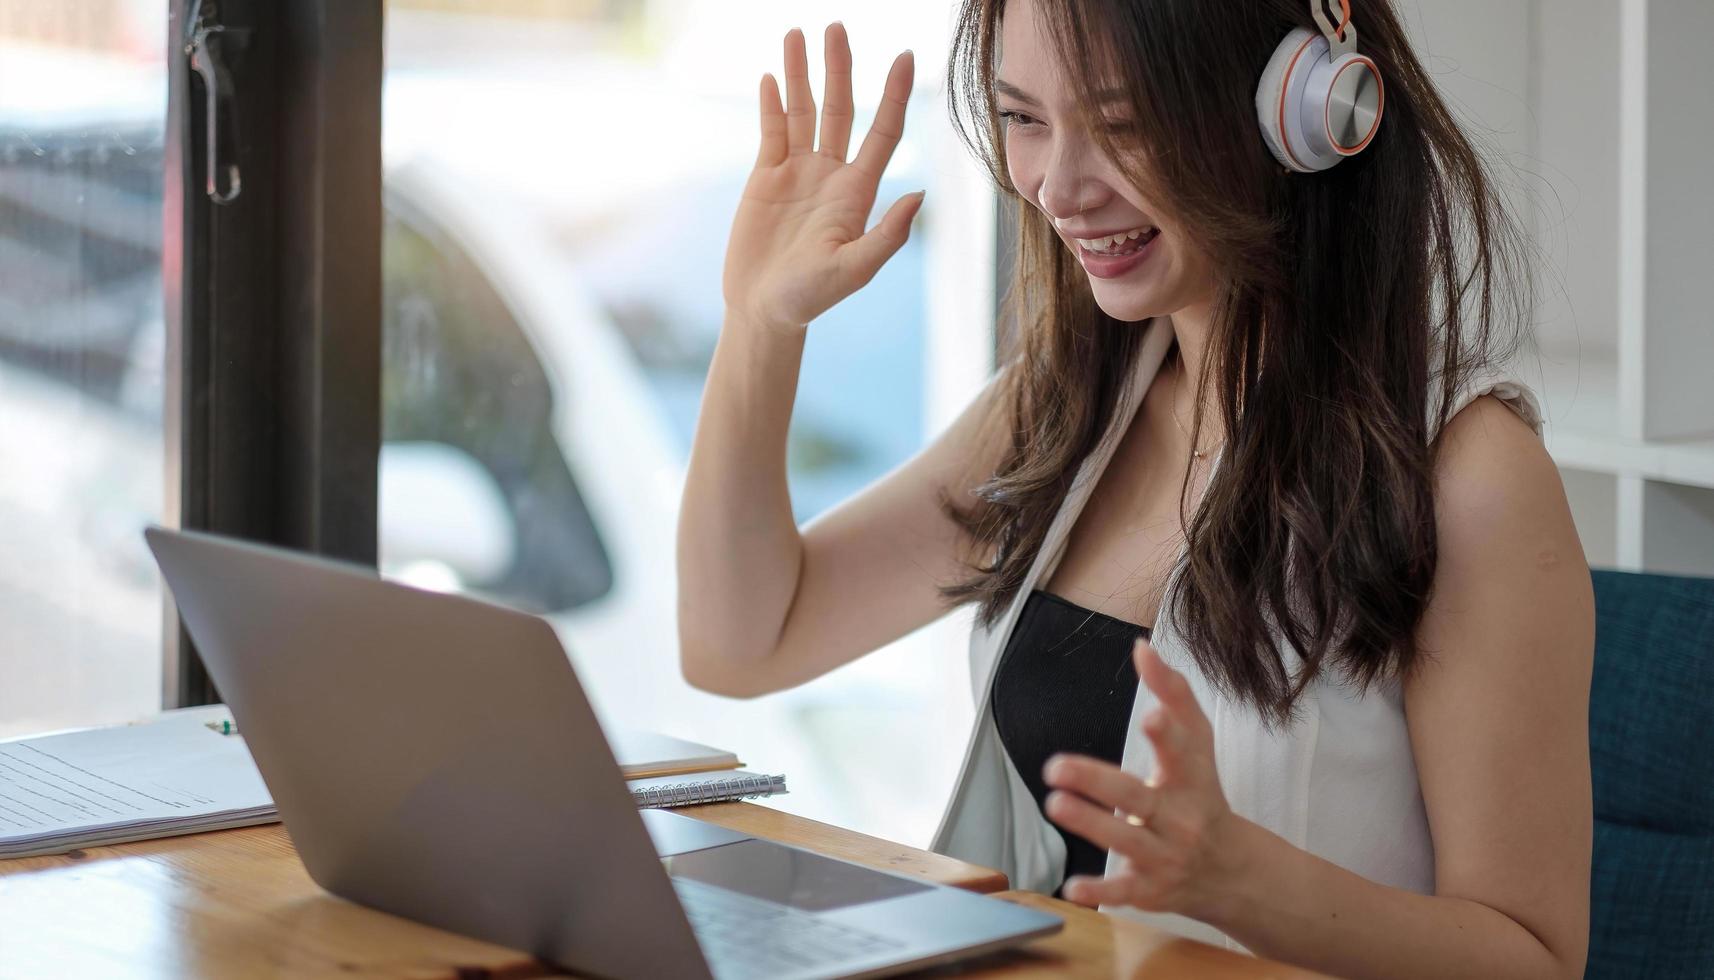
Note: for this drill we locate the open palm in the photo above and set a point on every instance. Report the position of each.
(798, 245)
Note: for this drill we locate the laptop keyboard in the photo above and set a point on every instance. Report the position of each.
(743, 936)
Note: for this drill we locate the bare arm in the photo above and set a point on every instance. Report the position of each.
(761, 605)
(764, 606)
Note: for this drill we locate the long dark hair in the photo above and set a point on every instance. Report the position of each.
(1350, 306)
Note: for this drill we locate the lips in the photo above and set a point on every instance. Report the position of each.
(1113, 263)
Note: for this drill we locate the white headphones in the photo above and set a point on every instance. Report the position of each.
(1319, 101)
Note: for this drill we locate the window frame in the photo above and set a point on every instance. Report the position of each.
(273, 301)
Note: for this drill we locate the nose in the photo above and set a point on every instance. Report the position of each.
(1068, 187)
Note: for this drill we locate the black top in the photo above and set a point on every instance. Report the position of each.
(1065, 683)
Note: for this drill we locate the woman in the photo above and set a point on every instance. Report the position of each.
(1249, 420)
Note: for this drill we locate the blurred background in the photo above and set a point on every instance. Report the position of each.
(559, 180)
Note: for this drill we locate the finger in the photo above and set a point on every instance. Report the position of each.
(773, 148)
(800, 102)
(861, 259)
(1100, 781)
(836, 107)
(1174, 762)
(1099, 826)
(1094, 892)
(1169, 686)
(889, 125)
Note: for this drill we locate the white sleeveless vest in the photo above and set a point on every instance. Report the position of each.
(1340, 782)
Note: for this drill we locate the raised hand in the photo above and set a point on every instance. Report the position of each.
(798, 245)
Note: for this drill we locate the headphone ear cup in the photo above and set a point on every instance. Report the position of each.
(1355, 101)
(1270, 92)
(1267, 97)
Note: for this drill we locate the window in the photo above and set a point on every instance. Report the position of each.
(83, 98)
(536, 289)
(164, 358)
(561, 178)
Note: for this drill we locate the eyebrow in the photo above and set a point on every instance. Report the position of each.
(1004, 87)
(1007, 88)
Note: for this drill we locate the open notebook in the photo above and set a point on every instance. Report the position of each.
(189, 771)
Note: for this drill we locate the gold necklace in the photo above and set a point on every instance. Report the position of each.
(1195, 453)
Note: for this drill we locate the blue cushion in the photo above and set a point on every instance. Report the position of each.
(1651, 713)
(1652, 895)
(1651, 718)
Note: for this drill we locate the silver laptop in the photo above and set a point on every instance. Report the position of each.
(435, 757)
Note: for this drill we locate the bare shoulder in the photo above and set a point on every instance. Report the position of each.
(1506, 539)
(1493, 472)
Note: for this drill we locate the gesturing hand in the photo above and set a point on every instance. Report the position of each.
(797, 245)
(1173, 830)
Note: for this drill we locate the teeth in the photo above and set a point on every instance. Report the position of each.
(1109, 242)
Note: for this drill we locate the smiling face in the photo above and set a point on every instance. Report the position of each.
(1139, 260)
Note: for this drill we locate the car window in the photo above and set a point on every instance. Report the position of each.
(459, 372)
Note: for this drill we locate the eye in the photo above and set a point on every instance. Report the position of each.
(1013, 118)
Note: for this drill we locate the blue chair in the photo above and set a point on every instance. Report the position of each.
(1651, 740)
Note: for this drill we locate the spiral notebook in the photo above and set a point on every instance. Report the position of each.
(716, 787)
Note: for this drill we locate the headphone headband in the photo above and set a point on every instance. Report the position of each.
(1341, 37)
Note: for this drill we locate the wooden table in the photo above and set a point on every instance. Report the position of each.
(238, 903)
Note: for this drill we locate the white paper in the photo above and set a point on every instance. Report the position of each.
(169, 775)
